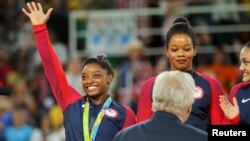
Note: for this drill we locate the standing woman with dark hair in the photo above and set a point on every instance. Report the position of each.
(180, 49)
(94, 117)
(236, 108)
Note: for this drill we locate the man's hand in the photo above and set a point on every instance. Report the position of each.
(36, 14)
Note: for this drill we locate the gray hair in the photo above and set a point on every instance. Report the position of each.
(173, 91)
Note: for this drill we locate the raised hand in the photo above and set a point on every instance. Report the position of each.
(230, 110)
(36, 14)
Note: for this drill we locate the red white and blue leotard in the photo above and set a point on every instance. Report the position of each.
(205, 110)
(71, 101)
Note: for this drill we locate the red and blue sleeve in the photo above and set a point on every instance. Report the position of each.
(130, 117)
(144, 111)
(216, 114)
(233, 93)
(53, 69)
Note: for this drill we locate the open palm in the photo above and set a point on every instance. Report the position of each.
(230, 110)
(36, 14)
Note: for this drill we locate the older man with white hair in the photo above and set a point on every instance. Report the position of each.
(172, 105)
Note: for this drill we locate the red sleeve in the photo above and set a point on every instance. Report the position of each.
(144, 111)
(216, 114)
(234, 121)
(130, 117)
(53, 69)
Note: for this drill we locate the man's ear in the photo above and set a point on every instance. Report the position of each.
(189, 109)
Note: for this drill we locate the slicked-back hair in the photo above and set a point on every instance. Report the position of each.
(180, 26)
(102, 61)
(247, 45)
(173, 91)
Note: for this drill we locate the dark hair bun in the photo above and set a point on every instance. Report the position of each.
(181, 20)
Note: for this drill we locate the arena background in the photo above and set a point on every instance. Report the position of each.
(124, 29)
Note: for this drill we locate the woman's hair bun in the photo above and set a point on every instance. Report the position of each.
(181, 20)
(102, 56)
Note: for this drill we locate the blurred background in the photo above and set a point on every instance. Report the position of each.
(131, 32)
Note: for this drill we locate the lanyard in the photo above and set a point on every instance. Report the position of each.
(97, 121)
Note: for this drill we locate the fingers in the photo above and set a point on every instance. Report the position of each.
(49, 12)
(223, 106)
(223, 99)
(34, 6)
(25, 12)
(39, 7)
(30, 7)
(235, 101)
(224, 102)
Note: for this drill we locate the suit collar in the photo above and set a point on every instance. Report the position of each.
(166, 116)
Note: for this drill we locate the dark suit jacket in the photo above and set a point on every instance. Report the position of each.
(162, 126)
